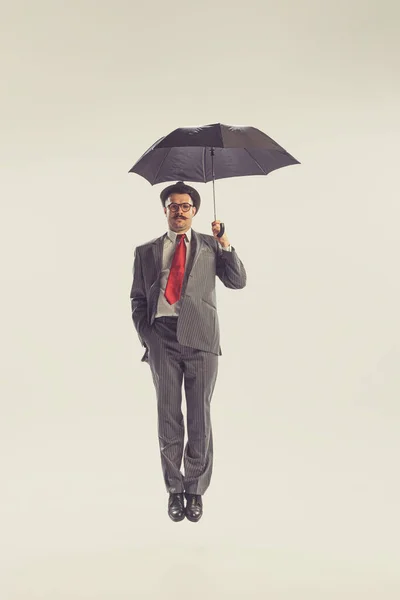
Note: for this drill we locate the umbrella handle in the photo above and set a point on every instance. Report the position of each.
(222, 230)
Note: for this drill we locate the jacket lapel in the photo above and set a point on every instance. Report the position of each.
(157, 248)
(196, 245)
(196, 248)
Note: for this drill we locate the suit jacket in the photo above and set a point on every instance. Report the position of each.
(197, 324)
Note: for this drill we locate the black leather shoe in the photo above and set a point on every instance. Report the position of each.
(176, 508)
(194, 507)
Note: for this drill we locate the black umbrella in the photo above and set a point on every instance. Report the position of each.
(211, 152)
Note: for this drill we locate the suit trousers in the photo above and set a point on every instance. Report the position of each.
(171, 366)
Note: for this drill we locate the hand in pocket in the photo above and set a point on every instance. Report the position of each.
(147, 331)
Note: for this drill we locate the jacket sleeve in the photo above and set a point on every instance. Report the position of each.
(138, 298)
(230, 269)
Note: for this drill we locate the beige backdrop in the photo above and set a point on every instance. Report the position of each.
(306, 409)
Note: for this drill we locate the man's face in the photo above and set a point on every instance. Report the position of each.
(178, 219)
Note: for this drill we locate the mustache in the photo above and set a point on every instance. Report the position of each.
(180, 217)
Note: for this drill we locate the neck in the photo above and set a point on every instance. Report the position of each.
(178, 231)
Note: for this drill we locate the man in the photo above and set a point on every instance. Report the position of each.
(174, 311)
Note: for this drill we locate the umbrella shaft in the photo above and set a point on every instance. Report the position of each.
(213, 182)
(215, 210)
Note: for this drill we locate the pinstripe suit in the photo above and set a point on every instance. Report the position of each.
(184, 349)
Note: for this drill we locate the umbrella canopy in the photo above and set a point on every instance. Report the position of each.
(211, 152)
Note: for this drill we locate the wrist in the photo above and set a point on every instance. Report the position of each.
(225, 246)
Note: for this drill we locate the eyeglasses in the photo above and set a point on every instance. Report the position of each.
(174, 207)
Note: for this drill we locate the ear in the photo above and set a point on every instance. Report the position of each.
(194, 209)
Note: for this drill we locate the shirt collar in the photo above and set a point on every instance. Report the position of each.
(172, 235)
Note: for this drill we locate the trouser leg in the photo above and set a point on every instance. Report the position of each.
(200, 375)
(167, 376)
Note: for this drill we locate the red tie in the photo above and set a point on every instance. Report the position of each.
(177, 271)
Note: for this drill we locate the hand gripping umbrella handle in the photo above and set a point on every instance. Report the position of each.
(222, 230)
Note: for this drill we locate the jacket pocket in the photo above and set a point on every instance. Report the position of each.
(209, 304)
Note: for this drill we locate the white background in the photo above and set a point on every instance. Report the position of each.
(305, 494)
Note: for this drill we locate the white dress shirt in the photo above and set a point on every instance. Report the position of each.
(164, 309)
